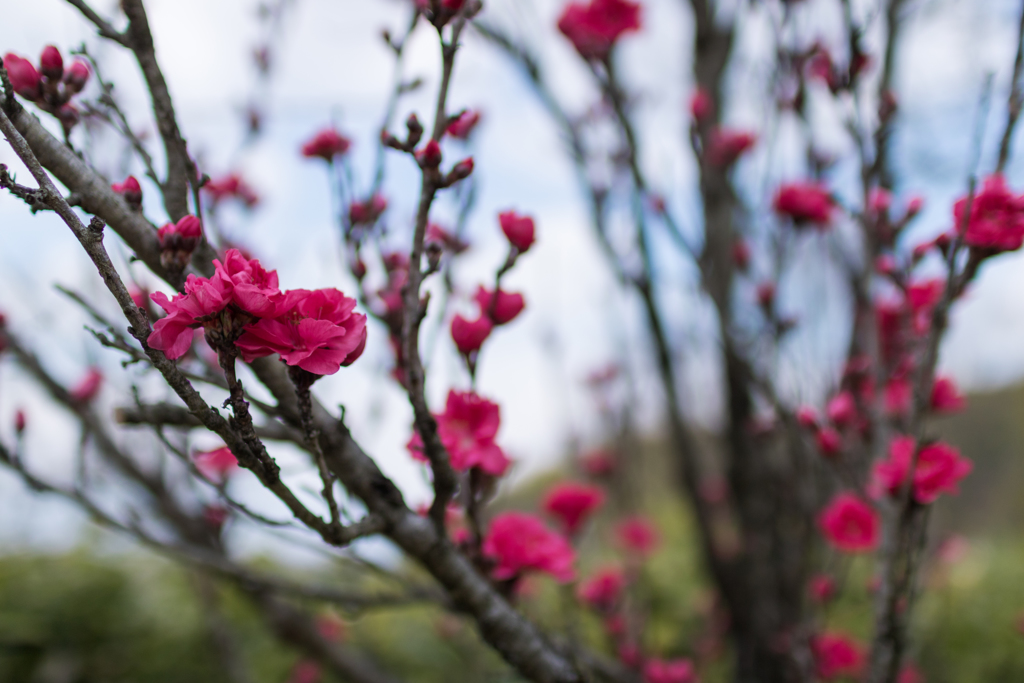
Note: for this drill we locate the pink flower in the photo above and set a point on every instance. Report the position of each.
(939, 469)
(129, 189)
(829, 441)
(237, 281)
(25, 80)
(231, 186)
(87, 387)
(669, 671)
(519, 229)
(51, 63)
(996, 222)
(805, 202)
(76, 76)
(701, 104)
(520, 542)
(910, 674)
(807, 417)
(842, 409)
(594, 28)
(505, 309)
(467, 429)
(850, 524)
(946, 398)
(217, 464)
(368, 211)
(822, 588)
(603, 590)
(326, 144)
(837, 655)
(317, 330)
(726, 145)
(469, 335)
(573, 503)
(598, 463)
(637, 534)
(463, 126)
(305, 671)
(898, 396)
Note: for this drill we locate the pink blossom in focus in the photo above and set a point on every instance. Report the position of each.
(87, 387)
(216, 465)
(837, 655)
(594, 28)
(469, 335)
(726, 145)
(505, 309)
(946, 398)
(637, 534)
(326, 144)
(850, 524)
(804, 203)
(520, 542)
(669, 671)
(603, 590)
(996, 223)
(519, 229)
(572, 503)
(130, 189)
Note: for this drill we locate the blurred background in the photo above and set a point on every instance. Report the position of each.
(88, 602)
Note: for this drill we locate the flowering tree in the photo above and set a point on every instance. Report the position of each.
(786, 494)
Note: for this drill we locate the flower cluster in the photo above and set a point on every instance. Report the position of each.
(241, 304)
(467, 428)
(518, 542)
(594, 28)
(938, 470)
(996, 221)
(52, 86)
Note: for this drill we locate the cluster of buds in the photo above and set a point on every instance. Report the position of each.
(178, 241)
(52, 86)
(429, 156)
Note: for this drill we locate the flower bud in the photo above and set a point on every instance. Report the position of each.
(130, 190)
(460, 171)
(25, 80)
(51, 64)
(19, 422)
(415, 129)
(178, 241)
(462, 127)
(430, 155)
(77, 76)
(519, 230)
(468, 335)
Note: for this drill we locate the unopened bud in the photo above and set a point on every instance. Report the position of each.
(415, 129)
(460, 171)
(51, 64)
(77, 76)
(430, 155)
(19, 422)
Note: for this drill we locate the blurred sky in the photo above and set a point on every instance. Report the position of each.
(332, 65)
